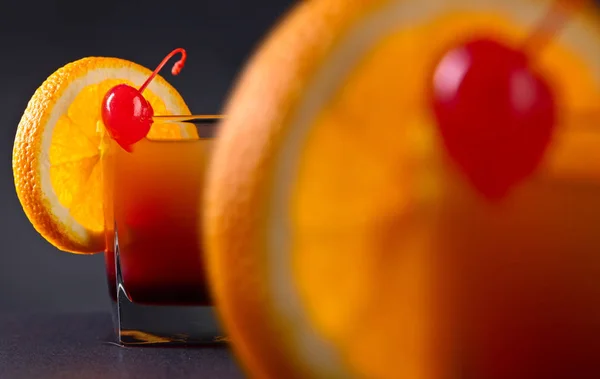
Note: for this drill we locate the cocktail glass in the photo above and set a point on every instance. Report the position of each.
(154, 263)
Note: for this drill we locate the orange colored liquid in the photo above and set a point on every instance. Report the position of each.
(156, 194)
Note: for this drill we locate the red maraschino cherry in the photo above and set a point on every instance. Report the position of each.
(496, 114)
(126, 114)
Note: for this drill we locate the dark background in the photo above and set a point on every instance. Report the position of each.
(39, 36)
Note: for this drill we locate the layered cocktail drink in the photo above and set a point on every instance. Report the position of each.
(153, 198)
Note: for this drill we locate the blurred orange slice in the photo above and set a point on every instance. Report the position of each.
(328, 175)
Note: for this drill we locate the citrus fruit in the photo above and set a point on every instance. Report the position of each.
(343, 240)
(59, 142)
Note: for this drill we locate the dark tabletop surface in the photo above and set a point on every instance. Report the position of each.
(77, 346)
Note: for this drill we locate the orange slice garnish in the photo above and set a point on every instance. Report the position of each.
(59, 142)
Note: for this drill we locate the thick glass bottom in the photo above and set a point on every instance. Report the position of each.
(159, 324)
(137, 324)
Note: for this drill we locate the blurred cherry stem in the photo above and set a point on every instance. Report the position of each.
(555, 19)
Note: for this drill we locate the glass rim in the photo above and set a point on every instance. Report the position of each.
(188, 118)
(205, 125)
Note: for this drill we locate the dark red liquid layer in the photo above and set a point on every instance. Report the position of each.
(189, 289)
(155, 206)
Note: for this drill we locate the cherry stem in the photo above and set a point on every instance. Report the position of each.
(175, 70)
(555, 19)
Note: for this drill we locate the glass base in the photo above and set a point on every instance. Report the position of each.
(141, 324)
(165, 325)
